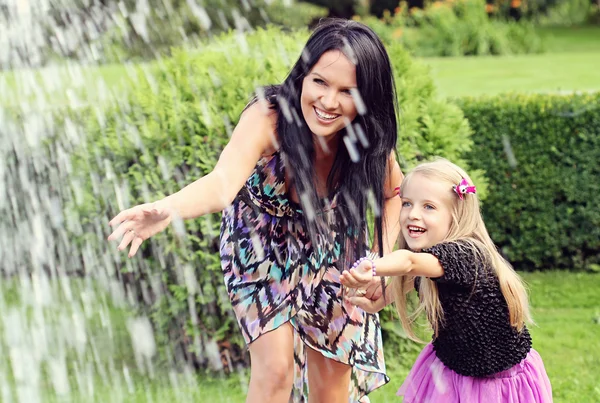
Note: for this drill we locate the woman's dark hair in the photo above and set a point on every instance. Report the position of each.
(373, 133)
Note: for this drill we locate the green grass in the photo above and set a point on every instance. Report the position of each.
(159, 390)
(547, 72)
(567, 335)
(566, 308)
(571, 39)
(570, 64)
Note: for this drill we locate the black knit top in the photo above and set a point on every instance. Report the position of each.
(476, 338)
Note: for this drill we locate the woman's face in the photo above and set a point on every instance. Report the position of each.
(326, 99)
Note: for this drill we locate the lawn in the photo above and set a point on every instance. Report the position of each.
(566, 308)
(547, 72)
(571, 39)
(567, 335)
(570, 64)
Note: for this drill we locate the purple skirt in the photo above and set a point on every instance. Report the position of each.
(430, 381)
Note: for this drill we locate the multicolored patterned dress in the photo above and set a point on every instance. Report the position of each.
(275, 274)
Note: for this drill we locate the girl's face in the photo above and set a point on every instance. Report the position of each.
(326, 100)
(426, 215)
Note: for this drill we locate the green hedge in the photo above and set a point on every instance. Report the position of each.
(541, 154)
(171, 130)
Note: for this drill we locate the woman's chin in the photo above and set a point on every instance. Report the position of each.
(323, 131)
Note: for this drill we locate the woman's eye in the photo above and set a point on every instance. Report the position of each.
(346, 92)
(319, 81)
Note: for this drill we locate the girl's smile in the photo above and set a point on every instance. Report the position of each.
(425, 216)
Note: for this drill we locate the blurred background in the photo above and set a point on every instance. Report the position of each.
(105, 104)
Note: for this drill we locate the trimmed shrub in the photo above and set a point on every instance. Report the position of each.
(541, 156)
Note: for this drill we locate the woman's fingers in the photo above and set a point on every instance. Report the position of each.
(135, 245)
(121, 230)
(149, 212)
(150, 209)
(374, 290)
(121, 217)
(127, 238)
(364, 303)
(127, 222)
(114, 235)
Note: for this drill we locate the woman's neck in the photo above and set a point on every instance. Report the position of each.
(326, 148)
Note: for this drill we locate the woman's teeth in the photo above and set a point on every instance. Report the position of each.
(325, 115)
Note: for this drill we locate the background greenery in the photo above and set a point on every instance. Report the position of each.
(540, 155)
(147, 123)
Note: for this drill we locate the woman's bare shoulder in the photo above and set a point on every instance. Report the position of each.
(263, 116)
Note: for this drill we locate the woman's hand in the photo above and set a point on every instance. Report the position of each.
(139, 223)
(366, 304)
(374, 290)
(358, 277)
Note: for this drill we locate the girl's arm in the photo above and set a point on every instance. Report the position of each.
(403, 261)
(397, 263)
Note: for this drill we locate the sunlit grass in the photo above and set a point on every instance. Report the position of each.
(571, 39)
(548, 72)
(566, 309)
(568, 65)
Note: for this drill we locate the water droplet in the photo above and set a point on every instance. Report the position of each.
(512, 161)
(352, 151)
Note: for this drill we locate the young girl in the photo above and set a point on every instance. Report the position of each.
(303, 164)
(475, 302)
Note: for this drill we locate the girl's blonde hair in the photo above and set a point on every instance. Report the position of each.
(467, 225)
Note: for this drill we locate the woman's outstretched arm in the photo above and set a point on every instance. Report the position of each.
(252, 137)
(254, 134)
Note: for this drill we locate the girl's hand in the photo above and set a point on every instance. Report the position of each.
(358, 277)
(366, 304)
(139, 223)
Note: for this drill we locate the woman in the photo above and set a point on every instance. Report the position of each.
(306, 160)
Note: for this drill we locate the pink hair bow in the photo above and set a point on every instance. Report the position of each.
(464, 188)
